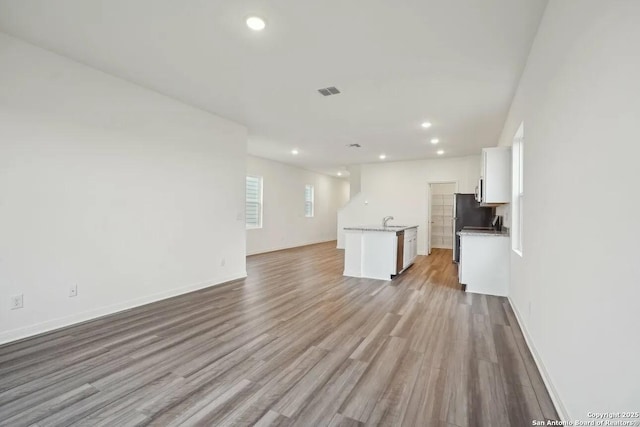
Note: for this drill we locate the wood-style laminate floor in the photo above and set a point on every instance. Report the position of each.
(295, 343)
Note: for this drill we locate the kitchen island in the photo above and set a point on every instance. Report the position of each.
(379, 252)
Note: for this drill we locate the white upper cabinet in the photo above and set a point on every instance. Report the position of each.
(494, 187)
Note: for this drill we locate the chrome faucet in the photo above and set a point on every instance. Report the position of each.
(385, 220)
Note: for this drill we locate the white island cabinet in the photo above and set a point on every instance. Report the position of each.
(379, 252)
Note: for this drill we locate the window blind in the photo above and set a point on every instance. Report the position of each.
(253, 206)
(308, 201)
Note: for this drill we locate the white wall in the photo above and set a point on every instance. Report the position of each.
(353, 213)
(443, 189)
(284, 224)
(578, 285)
(128, 194)
(355, 183)
(400, 189)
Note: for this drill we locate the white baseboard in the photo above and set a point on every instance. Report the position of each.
(51, 325)
(553, 393)
(351, 273)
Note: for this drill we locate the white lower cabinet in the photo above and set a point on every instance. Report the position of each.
(410, 247)
(484, 264)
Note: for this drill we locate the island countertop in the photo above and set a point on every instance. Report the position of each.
(389, 228)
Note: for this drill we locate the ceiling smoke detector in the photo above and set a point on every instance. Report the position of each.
(328, 91)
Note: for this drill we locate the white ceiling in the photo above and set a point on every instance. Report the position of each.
(455, 63)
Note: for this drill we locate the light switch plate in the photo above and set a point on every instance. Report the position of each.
(17, 301)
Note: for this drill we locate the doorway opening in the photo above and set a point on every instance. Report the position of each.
(440, 215)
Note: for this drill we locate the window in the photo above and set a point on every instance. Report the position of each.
(308, 201)
(518, 190)
(253, 206)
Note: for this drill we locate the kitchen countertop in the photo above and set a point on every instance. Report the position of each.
(494, 233)
(393, 228)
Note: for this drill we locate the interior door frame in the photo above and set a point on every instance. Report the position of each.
(429, 183)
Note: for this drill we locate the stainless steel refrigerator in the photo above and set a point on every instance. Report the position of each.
(468, 213)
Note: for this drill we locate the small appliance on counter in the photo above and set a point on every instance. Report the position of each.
(496, 223)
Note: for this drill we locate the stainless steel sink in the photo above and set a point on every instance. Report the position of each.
(396, 226)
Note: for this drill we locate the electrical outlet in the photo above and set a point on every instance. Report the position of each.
(17, 301)
(222, 262)
(73, 291)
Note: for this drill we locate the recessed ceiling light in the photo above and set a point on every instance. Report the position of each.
(434, 140)
(256, 23)
(339, 173)
(294, 152)
(426, 125)
(440, 152)
(382, 156)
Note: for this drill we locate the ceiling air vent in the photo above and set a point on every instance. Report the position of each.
(327, 91)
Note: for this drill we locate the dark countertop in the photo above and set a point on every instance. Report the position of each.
(479, 232)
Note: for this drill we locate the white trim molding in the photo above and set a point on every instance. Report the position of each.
(553, 393)
(86, 316)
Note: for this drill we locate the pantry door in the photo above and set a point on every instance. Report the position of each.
(441, 196)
